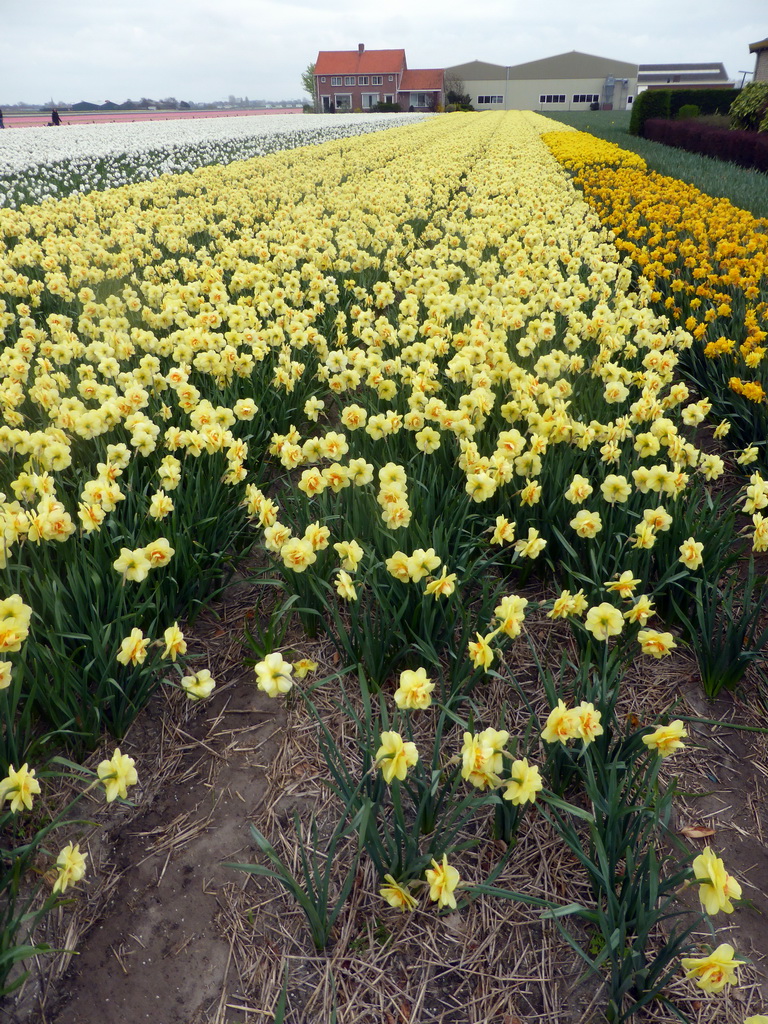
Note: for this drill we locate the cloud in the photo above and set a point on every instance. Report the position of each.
(208, 49)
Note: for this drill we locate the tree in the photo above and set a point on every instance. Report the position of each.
(455, 97)
(308, 82)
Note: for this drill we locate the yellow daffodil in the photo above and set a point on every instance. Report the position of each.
(20, 787)
(624, 586)
(562, 724)
(395, 757)
(504, 532)
(532, 546)
(199, 686)
(345, 587)
(15, 617)
(441, 586)
(133, 649)
(586, 524)
(713, 972)
(480, 652)
(482, 758)
(666, 739)
(175, 644)
(415, 689)
(656, 644)
(396, 895)
(350, 553)
(523, 784)
(133, 565)
(716, 887)
(691, 553)
(443, 880)
(117, 774)
(510, 615)
(273, 674)
(70, 865)
(604, 621)
(303, 667)
(297, 554)
(641, 610)
(589, 726)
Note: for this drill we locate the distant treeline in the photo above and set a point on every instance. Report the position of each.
(148, 104)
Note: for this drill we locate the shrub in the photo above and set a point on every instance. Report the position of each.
(738, 147)
(653, 103)
(459, 100)
(760, 159)
(750, 110)
(688, 110)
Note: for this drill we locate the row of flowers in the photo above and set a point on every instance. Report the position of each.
(707, 269)
(38, 164)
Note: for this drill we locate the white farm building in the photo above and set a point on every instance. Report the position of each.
(567, 81)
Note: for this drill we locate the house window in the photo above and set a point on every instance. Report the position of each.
(362, 79)
(343, 100)
(552, 98)
(336, 80)
(377, 80)
(585, 97)
(323, 79)
(629, 99)
(370, 99)
(490, 99)
(389, 98)
(349, 80)
(391, 78)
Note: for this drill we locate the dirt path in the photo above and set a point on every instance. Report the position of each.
(158, 954)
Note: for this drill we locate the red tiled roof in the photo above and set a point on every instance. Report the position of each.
(422, 80)
(352, 62)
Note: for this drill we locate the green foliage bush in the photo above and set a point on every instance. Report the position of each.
(651, 103)
(458, 100)
(688, 110)
(750, 110)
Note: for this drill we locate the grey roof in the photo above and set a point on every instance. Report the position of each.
(573, 65)
(756, 47)
(709, 66)
(477, 71)
(682, 73)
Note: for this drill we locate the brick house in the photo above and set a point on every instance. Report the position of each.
(347, 80)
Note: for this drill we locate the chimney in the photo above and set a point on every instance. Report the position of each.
(361, 48)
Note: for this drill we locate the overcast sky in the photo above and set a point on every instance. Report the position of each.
(210, 49)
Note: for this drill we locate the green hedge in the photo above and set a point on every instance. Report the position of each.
(667, 103)
(651, 103)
